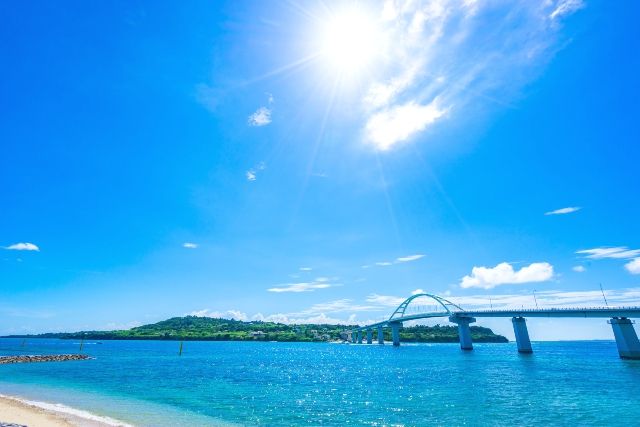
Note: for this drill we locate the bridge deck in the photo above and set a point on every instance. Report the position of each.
(557, 312)
(587, 312)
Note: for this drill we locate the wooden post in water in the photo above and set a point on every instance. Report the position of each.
(23, 342)
(180, 353)
(81, 344)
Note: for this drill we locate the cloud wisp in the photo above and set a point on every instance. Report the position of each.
(410, 258)
(399, 260)
(189, 245)
(614, 252)
(320, 283)
(566, 7)
(504, 274)
(23, 247)
(252, 174)
(439, 68)
(398, 123)
(564, 211)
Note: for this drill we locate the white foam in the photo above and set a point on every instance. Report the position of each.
(66, 410)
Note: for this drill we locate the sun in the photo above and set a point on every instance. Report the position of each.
(351, 40)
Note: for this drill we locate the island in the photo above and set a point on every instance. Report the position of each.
(195, 328)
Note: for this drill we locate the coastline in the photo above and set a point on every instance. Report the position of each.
(43, 414)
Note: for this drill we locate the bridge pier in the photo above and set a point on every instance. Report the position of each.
(369, 336)
(360, 336)
(353, 337)
(395, 333)
(626, 338)
(380, 335)
(464, 331)
(522, 335)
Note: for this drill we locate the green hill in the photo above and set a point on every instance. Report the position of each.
(210, 329)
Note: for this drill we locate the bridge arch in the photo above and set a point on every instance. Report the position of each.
(443, 302)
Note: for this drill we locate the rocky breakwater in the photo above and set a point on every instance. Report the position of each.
(42, 358)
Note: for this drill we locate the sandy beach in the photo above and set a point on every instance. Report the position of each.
(40, 414)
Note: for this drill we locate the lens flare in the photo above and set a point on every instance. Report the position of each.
(351, 40)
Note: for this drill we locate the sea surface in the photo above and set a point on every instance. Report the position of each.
(262, 383)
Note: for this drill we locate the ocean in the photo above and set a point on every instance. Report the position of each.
(146, 383)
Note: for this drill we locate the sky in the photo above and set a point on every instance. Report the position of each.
(316, 161)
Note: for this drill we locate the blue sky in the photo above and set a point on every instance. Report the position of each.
(316, 161)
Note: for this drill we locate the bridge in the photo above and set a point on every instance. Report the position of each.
(620, 321)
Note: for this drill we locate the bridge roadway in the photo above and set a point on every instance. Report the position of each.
(623, 331)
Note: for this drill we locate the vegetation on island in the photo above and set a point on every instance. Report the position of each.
(195, 328)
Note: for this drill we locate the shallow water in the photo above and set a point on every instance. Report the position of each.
(250, 383)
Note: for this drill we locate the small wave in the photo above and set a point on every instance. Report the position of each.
(66, 410)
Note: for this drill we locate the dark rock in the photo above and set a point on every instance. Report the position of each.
(41, 358)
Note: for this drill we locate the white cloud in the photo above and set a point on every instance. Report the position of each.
(432, 60)
(564, 211)
(410, 258)
(318, 313)
(383, 263)
(318, 319)
(566, 7)
(633, 266)
(398, 123)
(189, 245)
(579, 269)
(385, 300)
(338, 306)
(252, 173)
(616, 252)
(305, 268)
(229, 314)
(503, 274)
(23, 247)
(301, 287)
(261, 117)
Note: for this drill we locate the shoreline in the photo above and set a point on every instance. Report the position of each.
(44, 414)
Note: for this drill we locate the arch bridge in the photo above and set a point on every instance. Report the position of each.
(620, 321)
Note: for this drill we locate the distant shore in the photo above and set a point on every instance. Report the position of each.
(41, 414)
(194, 328)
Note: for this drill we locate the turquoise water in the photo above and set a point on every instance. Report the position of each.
(247, 383)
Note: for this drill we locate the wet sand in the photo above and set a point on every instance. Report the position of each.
(39, 414)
